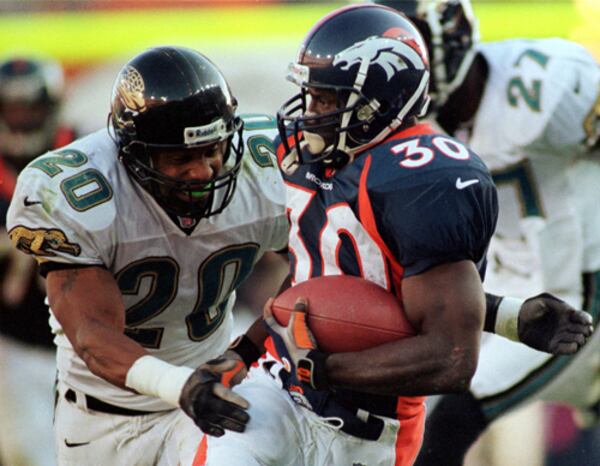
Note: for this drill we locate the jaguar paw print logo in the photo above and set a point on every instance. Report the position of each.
(131, 89)
(42, 241)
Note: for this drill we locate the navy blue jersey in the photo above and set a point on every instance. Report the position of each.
(415, 201)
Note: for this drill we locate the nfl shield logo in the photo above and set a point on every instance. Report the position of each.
(186, 222)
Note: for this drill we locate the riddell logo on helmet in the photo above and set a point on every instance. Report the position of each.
(298, 73)
(198, 134)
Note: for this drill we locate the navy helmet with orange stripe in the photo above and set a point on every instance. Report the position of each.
(375, 62)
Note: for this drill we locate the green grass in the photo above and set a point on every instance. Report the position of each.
(79, 38)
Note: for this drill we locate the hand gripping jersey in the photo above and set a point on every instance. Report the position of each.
(79, 206)
(415, 201)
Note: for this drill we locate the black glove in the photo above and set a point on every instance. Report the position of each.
(214, 407)
(548, 324)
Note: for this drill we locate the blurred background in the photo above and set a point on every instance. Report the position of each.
(252, 42)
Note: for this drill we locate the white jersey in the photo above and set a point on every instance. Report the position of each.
(538, 108)
(79, 206)
(529, 129)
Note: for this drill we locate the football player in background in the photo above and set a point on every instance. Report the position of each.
(31, 94)
(144, 230)
(371, 192)
(530, 109)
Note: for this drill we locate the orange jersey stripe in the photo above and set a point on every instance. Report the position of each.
(410, 438)
(407, 407)
(200, 458)
(367, 219)
(8, 181)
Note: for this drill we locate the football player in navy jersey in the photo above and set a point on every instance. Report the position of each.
(373, 193)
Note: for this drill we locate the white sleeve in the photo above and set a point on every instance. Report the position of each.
(570, 86)
(261, 161)
(44, 222)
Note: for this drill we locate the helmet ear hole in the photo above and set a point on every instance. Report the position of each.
(384, 108)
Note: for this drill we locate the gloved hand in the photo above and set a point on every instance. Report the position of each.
(297, 343)
(237, 373)
(207, 400)
(548, 324)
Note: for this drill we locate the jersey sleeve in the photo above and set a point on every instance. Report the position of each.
(438, 218)
(260, 136)
(47, 220)
(568, 86)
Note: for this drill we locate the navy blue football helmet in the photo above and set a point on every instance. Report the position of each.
(375, 62)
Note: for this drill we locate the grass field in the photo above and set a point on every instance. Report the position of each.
(80, 38)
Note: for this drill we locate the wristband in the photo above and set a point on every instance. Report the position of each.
(491, 311)
(507, 320)
(153, 377)
(246, 348)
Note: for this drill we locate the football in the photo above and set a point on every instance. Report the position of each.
(346, 313)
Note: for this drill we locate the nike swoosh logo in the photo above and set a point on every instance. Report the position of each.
(28, 203)
(460, 184)
(75, 444)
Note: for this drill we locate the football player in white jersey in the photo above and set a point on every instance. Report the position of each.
(530, 109)
(144, 230)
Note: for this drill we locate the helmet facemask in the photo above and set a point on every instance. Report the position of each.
(323, 138)
(204, 198)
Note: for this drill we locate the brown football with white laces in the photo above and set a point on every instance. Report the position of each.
(346, 313)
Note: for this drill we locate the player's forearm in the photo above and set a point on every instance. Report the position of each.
(423, 365)
(257, 333)
(445, 304)
(87, 303)
(107, 353)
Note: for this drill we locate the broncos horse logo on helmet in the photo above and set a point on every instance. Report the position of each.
(376, 63)
(390, 54)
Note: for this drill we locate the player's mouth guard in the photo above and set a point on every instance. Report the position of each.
(199, 193)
